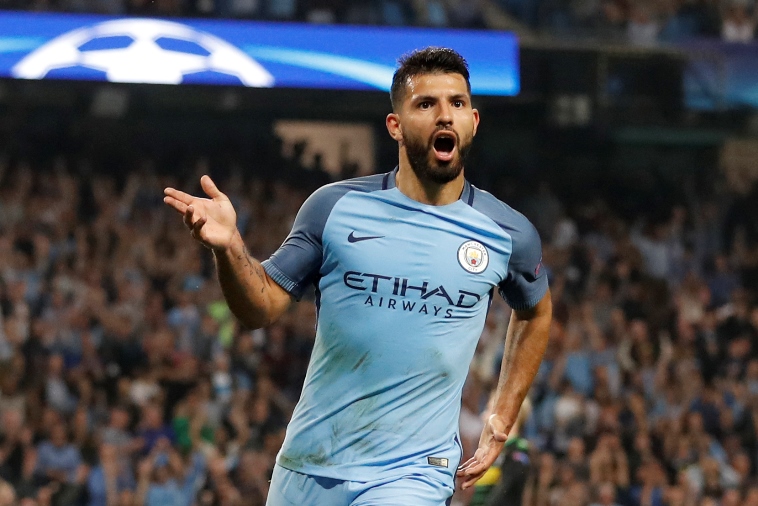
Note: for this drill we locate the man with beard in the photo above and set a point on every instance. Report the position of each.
(405, 265)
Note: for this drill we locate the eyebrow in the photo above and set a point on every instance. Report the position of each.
(457, 96)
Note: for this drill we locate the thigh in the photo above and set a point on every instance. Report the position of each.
(289, 488)
(412, 489)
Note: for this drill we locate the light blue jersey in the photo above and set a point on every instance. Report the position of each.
(403, 289)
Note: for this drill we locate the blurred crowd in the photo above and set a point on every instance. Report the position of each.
(435, 13)
(125, 380)
(640, 22)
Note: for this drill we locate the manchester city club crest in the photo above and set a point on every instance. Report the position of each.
(473, 257)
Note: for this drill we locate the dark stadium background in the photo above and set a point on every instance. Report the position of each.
(638, 171)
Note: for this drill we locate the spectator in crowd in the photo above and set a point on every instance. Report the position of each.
(57, 459)
(112, 480)
(642, 27)
(738, 24)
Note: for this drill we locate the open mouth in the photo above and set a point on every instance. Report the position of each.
(444, 146)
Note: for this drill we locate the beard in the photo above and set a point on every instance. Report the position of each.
(427, 167)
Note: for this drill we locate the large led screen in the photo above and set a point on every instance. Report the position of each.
(721, 75)
(184, 51)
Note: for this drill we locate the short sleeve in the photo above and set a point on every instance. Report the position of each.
(526, 282)
(296, 264)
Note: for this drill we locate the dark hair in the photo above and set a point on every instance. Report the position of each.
(430, 60)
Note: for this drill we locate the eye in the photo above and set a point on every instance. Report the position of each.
(425, 105)
(458, 104)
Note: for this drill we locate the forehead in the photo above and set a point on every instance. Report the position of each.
(436, 85)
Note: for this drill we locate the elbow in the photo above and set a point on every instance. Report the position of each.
(260, 309)
(250, 315)
(253, 322)
(253, 319)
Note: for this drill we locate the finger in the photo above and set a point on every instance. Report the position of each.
(198, 225)
(477, 468)
(472, 477)
(466, 464)
(185, 198)
(480, 462)
(180, 207)
(466, 471)
(188, 216)
(210, 188)
(471, 480)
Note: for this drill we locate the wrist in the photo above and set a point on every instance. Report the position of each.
(500, 422)
(235, 243)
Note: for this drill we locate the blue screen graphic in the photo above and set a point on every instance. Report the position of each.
(721, 75)
(182, 51)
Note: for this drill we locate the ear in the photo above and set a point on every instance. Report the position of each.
(393, 127)
(476, 119)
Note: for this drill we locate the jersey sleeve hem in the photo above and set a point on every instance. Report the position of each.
(281, 278)
(529, 304)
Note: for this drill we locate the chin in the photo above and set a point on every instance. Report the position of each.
(446, 173)
(450, 169)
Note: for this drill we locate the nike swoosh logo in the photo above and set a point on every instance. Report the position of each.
(352, 238)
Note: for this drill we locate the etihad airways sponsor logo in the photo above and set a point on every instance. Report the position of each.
(394, 292)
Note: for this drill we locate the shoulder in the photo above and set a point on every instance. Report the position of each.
(322, 201)
(334, 191)
(317, 208)
(511, 221)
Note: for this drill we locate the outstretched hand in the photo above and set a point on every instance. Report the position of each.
(491, 443)
(213, 221)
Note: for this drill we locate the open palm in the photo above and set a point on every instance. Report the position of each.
(212, 221)
(494, 436)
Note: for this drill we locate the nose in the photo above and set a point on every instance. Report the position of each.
(445, 116)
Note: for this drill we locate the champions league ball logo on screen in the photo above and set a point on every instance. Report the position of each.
(143, 51)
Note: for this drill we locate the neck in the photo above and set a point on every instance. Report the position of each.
(426, 192)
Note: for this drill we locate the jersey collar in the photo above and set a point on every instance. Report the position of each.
(467, 195)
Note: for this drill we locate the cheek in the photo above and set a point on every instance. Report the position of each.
(467, 126)
(413, 128)
(468, 133)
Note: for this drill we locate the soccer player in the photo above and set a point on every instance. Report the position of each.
(404, 265)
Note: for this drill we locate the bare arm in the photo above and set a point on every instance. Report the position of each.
(254, 298)
(524, 347)
(525, 344)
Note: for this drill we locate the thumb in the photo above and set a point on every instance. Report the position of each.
(500, 436)
(210, 188)
(499, 428)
